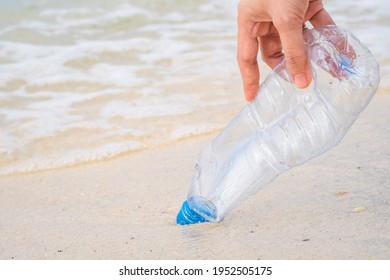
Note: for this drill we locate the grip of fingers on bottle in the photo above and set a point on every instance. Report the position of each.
(331, 50)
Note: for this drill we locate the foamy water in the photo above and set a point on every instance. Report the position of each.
(83, 82)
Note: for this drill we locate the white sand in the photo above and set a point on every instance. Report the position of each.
(335, 207)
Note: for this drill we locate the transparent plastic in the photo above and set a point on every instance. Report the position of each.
(284, 126)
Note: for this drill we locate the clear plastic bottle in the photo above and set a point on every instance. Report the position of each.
(284, 126)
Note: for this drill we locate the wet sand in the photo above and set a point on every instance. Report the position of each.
(336, 206)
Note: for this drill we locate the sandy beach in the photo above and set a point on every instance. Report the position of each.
(334, 207)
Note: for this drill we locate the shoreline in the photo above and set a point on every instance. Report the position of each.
(115, 157)
(334, 207)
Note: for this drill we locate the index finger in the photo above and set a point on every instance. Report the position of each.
(247, 49)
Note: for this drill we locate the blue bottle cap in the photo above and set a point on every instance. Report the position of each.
(187, 216)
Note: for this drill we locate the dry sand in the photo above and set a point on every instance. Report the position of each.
(337, 206)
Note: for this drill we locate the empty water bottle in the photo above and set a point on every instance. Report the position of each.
(284, 126)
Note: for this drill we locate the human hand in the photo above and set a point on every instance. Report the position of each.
(275, 26)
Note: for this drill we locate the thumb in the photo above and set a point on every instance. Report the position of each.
(296, 55)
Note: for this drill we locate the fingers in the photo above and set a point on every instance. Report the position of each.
(247, 49)
(285, 34)
(247, 60)
(271, 48)
(295, 53)
(321, 18)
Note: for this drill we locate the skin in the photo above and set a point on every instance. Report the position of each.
(275, 27)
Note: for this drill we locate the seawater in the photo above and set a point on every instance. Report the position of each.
(82, 81)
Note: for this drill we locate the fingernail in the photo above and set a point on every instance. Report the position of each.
(300, 80)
